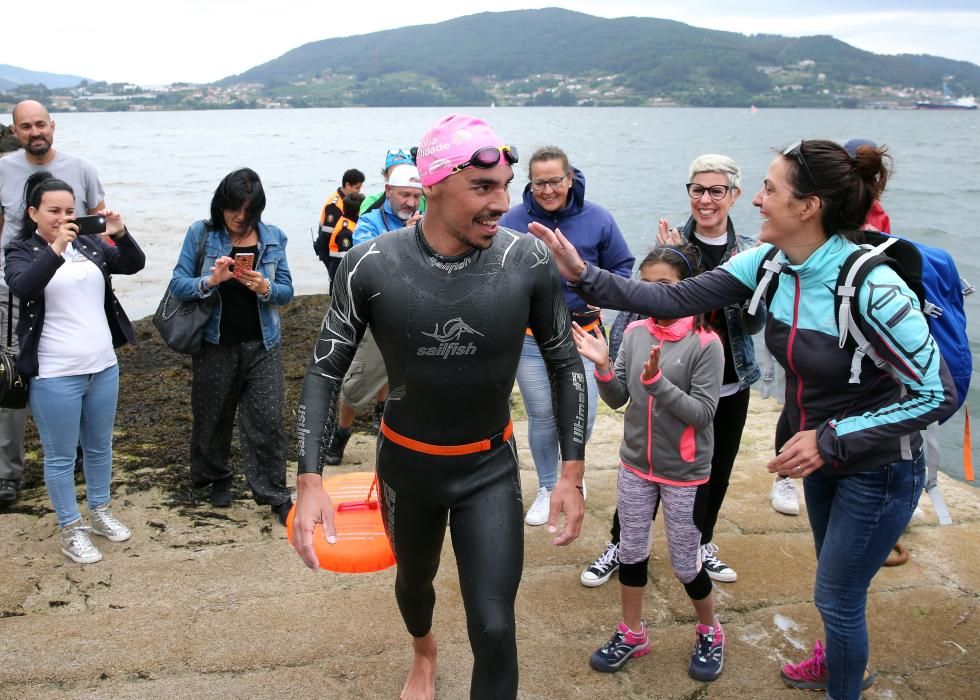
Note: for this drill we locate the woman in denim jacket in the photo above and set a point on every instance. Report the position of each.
(240, 364)
(713, 188)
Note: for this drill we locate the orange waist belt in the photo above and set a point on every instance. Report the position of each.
(449, 450)
(588, 327)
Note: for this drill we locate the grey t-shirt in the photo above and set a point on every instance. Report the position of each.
(14, 171)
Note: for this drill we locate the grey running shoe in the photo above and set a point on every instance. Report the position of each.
(76, 545)
(106, 525)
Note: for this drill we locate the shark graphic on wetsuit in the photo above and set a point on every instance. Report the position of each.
(451, 332)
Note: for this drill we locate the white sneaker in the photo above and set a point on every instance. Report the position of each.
(540, 509)
(784, 497)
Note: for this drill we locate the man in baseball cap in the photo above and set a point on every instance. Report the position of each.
(448, 301)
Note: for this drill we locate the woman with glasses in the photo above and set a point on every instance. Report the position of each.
(712, 188)
(555, 197)
(856, 445)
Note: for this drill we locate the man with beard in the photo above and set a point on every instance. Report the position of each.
(366, 380)
(34, 129)
(403, 193)
(448, 301)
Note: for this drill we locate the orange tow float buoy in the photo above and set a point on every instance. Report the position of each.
(362, 545)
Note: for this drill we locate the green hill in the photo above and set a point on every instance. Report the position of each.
(580, 59)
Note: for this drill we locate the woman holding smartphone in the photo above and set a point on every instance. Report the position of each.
(70, 324)
(239, 367)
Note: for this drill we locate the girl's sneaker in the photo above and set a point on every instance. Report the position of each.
(709, 653)
(811, 674)
(624, 645)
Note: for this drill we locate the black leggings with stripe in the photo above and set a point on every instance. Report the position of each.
(480, 496)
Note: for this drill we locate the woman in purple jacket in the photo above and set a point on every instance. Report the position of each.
(555, 197)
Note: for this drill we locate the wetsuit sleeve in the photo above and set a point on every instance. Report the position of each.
(891, 320)
(705, 292)
(341, 331)
(696, 408)
(550, 323)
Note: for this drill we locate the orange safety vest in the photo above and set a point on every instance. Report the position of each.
(339, 233)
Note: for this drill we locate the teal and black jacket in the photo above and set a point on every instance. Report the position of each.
(859, 426)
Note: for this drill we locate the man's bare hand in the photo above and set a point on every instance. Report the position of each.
(567, 498)
(313, 507)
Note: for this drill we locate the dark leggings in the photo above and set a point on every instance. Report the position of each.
(728, 424)
(480, 496)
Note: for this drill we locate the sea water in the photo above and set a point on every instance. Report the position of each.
(160, 170)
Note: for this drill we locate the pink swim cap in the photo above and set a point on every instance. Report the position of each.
(449, 142)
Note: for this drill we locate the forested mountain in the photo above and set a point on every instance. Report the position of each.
(561, 57)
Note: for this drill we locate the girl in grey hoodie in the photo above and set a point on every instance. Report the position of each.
(670, 372)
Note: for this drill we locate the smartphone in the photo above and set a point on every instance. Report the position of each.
(90, 225)
(243, 261)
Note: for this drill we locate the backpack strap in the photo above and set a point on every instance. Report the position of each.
(767, 270)
(851, 276)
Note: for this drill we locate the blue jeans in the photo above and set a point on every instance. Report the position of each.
(65, 410)
(542, 429)
(856, 520)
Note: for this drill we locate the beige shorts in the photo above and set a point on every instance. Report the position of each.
(366, 376)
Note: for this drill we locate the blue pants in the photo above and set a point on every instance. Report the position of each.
(856, 520)
(69, 410)
(542, 430)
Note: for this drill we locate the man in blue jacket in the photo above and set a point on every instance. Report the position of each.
(555, 197)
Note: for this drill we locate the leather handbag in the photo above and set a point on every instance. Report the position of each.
(13, 387)
(181, 323)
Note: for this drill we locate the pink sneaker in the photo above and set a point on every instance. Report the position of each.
(811, 674)
(624, 645)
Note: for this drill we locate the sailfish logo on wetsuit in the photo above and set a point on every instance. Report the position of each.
(448, 338)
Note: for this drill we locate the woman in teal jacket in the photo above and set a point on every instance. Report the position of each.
(856, 445)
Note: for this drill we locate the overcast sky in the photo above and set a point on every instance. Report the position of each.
(205, 40)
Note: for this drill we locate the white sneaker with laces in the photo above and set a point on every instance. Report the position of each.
(784, 498)
(599, 571)
(538, 513)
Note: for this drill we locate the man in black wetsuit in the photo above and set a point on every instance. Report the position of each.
(448, 301)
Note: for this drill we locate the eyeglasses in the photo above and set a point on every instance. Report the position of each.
(554, 183)
(795, 151)
(489, 157)
(716, 192)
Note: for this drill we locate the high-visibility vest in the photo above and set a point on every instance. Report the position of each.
(339, 234)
